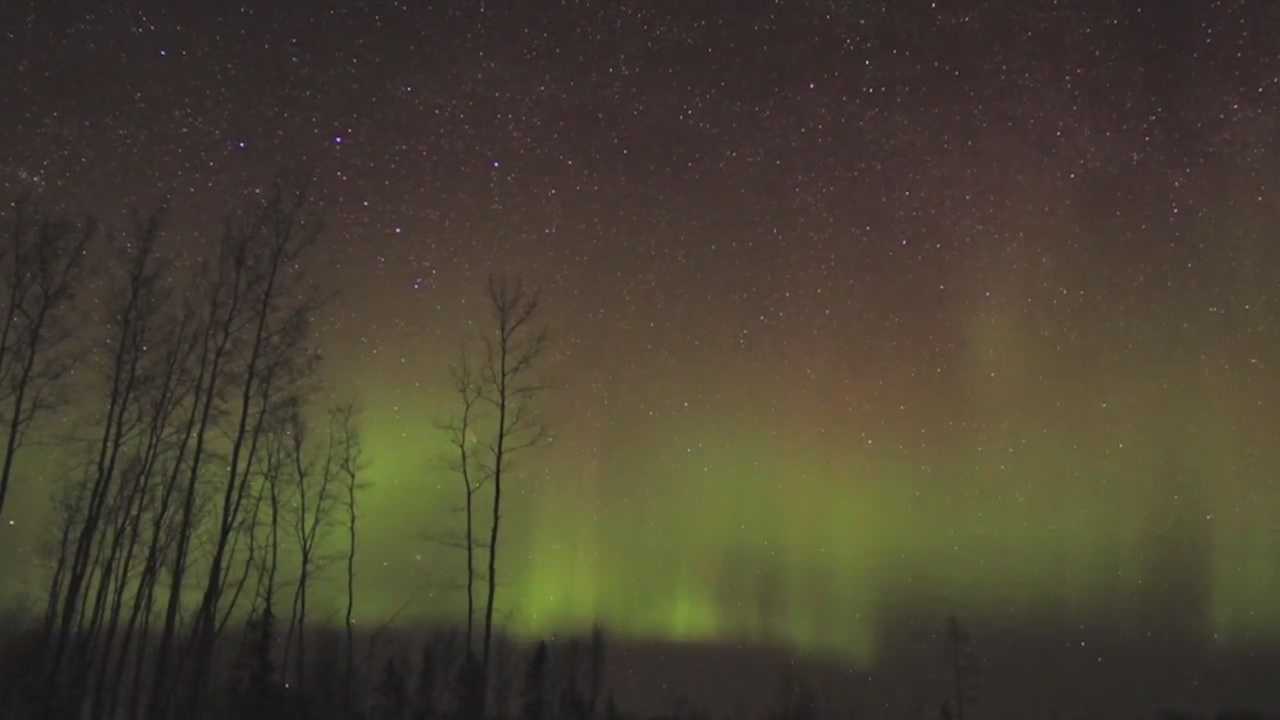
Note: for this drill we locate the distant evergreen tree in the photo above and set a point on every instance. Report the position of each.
(595, 668)
(571, 704)
(424, 705)
(611, 711)
(391, 698)
(533, 701)
(471, 688)
(326, 687)
(259, 693)
(796, 701)
(963, 668)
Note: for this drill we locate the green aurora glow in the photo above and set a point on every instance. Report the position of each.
(1098, 475)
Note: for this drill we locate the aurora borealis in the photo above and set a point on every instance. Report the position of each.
(858, 308)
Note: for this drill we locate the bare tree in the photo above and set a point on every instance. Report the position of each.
(260, 692)
(274, 466)
(511, 354)
(349, 465)
(38, 278)
(316, 495)
(247, 535)
(462, 435)
(68, 508)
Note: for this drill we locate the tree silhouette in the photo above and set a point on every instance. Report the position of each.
(425, 689)
(258, 694)
(462, 434)
(962, 667)
(39, 276)
(572, 705)
(596, 669)
(533, 698)
(349, 459)
(796, 700)
(391, 698)
(611, 711)
(315, 494)
(274, 467)
(503, 679)
(511, 354)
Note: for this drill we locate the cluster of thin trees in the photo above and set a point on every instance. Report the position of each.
(204, 487)
(200, 465)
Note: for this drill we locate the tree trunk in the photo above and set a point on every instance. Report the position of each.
(351, 589)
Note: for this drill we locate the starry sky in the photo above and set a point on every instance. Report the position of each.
(862, 311)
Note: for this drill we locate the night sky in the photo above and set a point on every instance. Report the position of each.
(864, 313)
